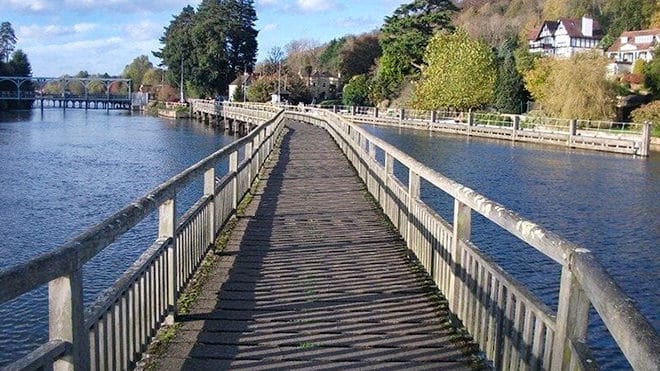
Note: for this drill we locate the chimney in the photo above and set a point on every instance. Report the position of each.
(587, 26)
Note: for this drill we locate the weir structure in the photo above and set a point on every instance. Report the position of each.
(69, 92)
(513, 328)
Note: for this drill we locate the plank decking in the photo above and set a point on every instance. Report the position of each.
(314, 278)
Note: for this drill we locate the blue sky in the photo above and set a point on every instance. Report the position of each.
(67, 36)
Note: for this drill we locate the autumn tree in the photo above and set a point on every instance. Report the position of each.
(574, 88)
(136, 71)
(460, 73)
(358, 55)
(405, 35)
(652, 75)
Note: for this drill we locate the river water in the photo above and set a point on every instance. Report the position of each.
(606, 203)
(62, 172)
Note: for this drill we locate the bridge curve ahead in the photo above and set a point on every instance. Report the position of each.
(313, 277)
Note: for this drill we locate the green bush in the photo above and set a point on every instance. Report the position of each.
(649, 112)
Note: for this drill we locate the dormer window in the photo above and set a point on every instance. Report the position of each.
(624, 39)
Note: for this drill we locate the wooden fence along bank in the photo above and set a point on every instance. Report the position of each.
(514, 329)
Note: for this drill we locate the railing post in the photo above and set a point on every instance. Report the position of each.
(462, 229)
(434, 116)
(209, 189)
(353, 110)
(166, 229)
(515, 125)
(413, 196)
(470, 122)
(233, 168)
(402, 114)
(572, 319)
(572, 131)
(646, 139)
(376, 112)
(66, 320)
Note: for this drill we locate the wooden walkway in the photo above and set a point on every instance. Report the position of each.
(313, 278)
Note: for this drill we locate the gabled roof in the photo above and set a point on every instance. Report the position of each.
(630, 36)
(536, 32)
(240, 79)
(574, 28)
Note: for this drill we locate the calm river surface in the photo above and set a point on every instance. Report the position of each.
(62, 172)
(607, 203)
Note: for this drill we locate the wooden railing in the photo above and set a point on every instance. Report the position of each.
(113, 332)
(618, 137)
(514, 328)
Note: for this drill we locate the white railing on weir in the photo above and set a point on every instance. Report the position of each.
(618, 137)
(515, 329)
(113, 332)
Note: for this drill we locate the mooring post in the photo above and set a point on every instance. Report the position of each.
(572, 131)
(376, 112)
(402, 115)
(434, 116)
(66, 320)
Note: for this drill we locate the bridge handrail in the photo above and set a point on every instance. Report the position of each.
(71, 327)
(584, 280)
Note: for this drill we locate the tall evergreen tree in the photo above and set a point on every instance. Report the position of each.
(177, 51)
(510, 91)
(7, 41)
(407, 32)
(217, 43)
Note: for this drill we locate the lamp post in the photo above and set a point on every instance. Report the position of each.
(181, 98)
(279, 76)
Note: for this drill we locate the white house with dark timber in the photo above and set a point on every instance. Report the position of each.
(565, 37)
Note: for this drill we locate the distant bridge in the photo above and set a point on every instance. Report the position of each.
(68, 92)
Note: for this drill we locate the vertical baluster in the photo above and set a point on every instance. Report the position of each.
(233, 167)
(486, 303)
(103, 344)
(132, 334)
(119, 335)
(209, 190)
(93, 347)
(539, 327)
(526, 343)
(507, 331)
(495, 313)
(517, 335)
(547, 351)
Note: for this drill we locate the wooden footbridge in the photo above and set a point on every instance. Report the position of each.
(314, 276)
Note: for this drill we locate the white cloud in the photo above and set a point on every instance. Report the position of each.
(144, 30)
(315, 5)
(26, 5)
(269, 27)
(38, 31)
